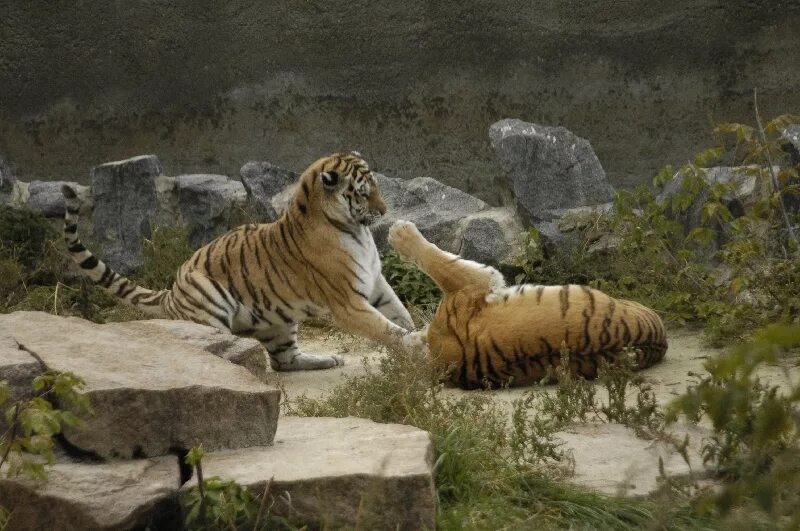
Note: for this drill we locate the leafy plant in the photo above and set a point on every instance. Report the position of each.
(28, 441)
(414, 287)
(755, 443)
(215, 503)
(701, 254)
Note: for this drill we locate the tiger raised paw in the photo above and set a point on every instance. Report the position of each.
(261, 280)
(487, 334)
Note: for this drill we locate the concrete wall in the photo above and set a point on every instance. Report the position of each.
(413, 84)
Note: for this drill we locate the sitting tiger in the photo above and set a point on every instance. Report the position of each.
(261, 280)
(488, 334)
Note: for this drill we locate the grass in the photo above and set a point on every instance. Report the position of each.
(491, 471)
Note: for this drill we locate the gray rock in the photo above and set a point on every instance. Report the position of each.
(89, 496)
(344, 472)
(263, 181)
(493, 237)
(247, 352)
(207, 205)
(548, 168)
(149, 393)
(435, 208)
(46, 197)
(124, 195)
(792, 136)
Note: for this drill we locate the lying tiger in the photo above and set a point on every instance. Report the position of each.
(488, 334)
(318, 259)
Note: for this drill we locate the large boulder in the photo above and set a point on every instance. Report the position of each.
(206, 205)
(548, 168)
(149, 392)
(339, 472)
(46, 197)
(435, 208)
(124, 195)
(263, 181)
(493, 237)
(139, 494)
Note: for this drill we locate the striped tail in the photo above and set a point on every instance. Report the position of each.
(144, 299)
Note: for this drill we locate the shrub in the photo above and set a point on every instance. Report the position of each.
(414, 288)
(749, 281)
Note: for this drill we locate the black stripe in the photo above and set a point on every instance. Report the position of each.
(71, 229)
(76, 247)
(89, 263)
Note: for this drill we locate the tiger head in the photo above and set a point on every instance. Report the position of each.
(344, 189)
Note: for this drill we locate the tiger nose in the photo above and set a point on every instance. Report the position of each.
(379, 204)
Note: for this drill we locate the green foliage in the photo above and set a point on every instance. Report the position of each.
(24, 235)
(215, 503)
(703, 255)
(414, 287)
(50, 284)
(163, 255)
(755, 442)
(30, 425)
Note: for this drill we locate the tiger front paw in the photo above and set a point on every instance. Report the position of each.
(404, 237)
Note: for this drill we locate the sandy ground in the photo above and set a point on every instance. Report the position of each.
(669, 378)
(607, 457)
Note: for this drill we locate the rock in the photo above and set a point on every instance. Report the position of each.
(263, 181)
(46, 197)
(610, 458)
(90, 496)
(435, 208)
(208, 205)
(342, 472)
(548, 168)
(149, 393)
(792, 137)
(491, 237)
(124, 203)
(247, 352)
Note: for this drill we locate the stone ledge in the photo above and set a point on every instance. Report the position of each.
(340, 472)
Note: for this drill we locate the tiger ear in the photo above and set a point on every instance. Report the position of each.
(330, 179)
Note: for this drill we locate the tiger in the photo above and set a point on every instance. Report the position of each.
(485, 334)
(261, 280)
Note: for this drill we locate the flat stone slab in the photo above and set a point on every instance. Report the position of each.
(340, 472)
(611, 459)
(247, 352)
(88, 496)
(150, 391)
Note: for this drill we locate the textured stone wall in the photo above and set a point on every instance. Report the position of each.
(413, 85)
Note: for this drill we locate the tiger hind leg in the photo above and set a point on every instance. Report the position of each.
(284, 355)
(450, 272)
